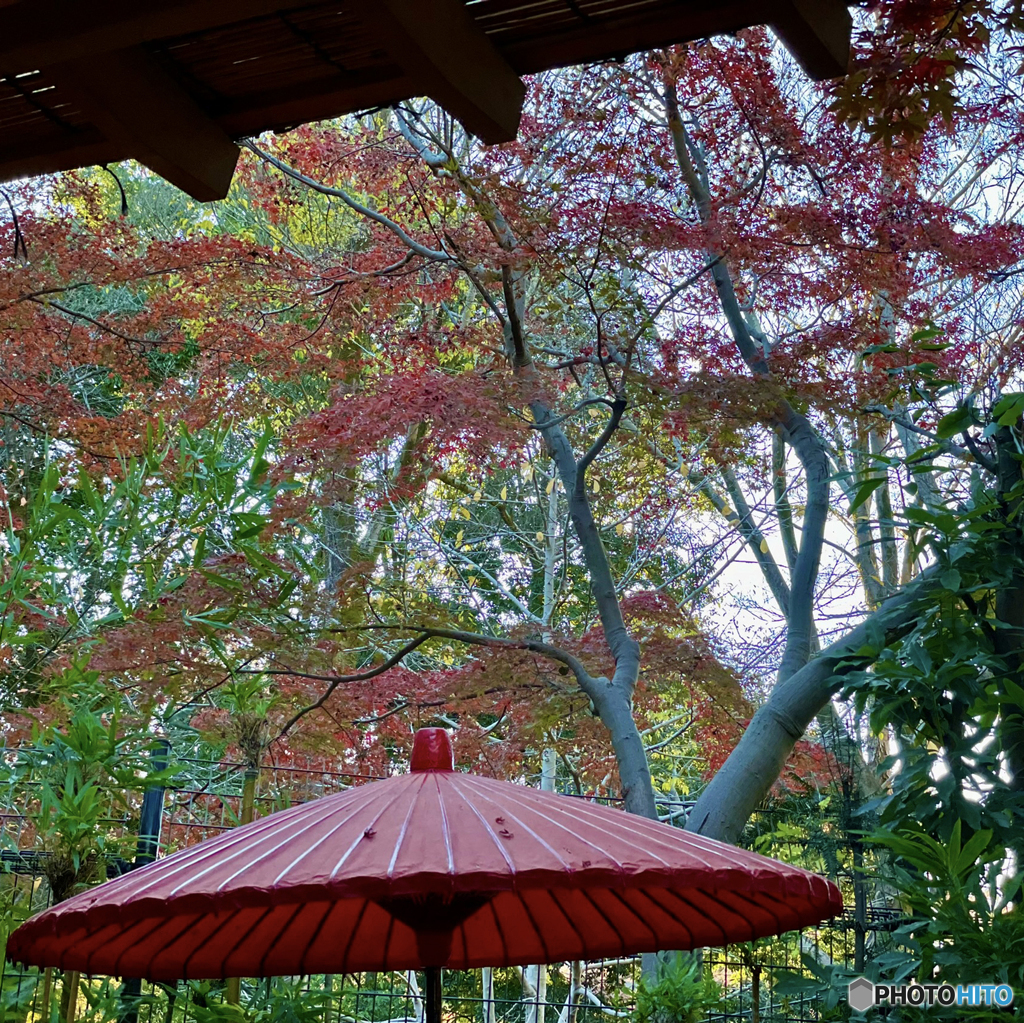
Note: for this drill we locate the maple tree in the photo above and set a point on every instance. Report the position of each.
(147, 538)
(885, 349)
(918, 62)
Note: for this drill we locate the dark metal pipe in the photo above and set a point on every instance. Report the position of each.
(433, 993)
(150, 820)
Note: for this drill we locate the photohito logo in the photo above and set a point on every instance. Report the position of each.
(864, 994)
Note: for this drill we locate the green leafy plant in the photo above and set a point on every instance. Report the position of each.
(284, 1000)
(946, 688)
(16, 995)
(964, 923)
(680, 994)
(825, 983)
(80, 784)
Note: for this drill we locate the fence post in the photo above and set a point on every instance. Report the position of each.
(538, 975)
(146, 849)
(487, 990)
(860, 907)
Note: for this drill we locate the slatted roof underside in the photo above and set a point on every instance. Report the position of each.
(296, 64)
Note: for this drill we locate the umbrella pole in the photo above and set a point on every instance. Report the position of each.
(433, 1000)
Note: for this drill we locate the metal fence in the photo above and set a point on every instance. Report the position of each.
(756, 979)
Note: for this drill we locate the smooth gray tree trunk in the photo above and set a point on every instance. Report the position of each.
(747, 776)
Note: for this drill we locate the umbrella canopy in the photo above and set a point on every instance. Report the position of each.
(435, 868)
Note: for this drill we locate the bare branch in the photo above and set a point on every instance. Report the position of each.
(520, 355)
(618, 408)
(578, 408)
(337, 680)
(421, 250)
(584, 679)
(783, 507)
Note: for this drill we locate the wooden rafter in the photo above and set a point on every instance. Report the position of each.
(142, 111)
(818, 32)
(46, 32)
(439, 46)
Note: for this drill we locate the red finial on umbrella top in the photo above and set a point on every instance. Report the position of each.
(432, 751)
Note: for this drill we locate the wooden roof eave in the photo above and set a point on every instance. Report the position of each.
(104, 61)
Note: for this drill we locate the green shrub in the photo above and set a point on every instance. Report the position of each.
(681, 993)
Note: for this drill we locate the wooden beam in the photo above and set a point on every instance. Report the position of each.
(449, 58)
(147, 115)
(36, 33)
(83, 150)
(816, 32)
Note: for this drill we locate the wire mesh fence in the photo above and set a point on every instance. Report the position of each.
(755, 979)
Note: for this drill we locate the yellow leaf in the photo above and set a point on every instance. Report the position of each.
(727, 511)
(458, 539)
(618, 529)
(764, 546)
(550, 486)
(504, 493)
(593, 412)
(471, 580)
(477, 496)
(464, 512)
(596, 487)
(540, 536)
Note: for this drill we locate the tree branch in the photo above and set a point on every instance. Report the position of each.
(421, 250)
(612, 698)
(748, 774)
(106, 328)
(336, 680)
(618, 408)
(520, 355)
(795, 428)
(783, 508)
(755, 539)
(584, 679)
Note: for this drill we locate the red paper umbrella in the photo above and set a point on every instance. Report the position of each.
(431, 869)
